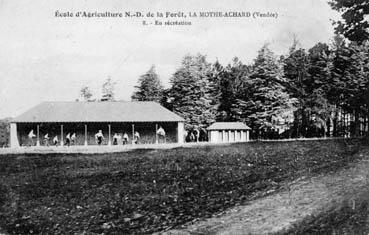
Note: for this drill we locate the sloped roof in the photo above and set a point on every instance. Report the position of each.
(228, 126)
(98, 112)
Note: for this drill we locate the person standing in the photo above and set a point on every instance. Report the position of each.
(31, 135)
(73, 139)
(136, 137)
(161, 134)
(55, 140)
(125, 138)
(99, 137)
(115, 139)
(46, 139)
(67, 140)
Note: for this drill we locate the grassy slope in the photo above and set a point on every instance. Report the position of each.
(151, 190)
(350, 215)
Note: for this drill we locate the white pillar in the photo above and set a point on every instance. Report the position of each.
(223, 139)
(180, 132)
(133, 133)
(61, 136)
(38, 136)
(236, 136)
(247, 135)
(156, 134)
(14, 143)
(85, 135)
(214, 136)
(109, 140)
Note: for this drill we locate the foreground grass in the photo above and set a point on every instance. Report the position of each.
(151, 190)
(344, 218)
(348, 215)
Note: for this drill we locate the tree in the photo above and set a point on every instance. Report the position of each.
(350, 76)
(189, 95)
(231, 80)
(319, 73)
(86, 93)
(354, 25)
(297, 81)
(108, 90)
(149, 87)
(335, 94)
(215, 92)
(265, 105)
(307, 80)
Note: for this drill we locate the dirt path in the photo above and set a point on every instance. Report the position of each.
(275, 212)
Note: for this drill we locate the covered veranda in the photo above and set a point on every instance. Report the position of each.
(145, 118)
(85, 133)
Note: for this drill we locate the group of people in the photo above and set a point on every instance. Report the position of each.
(69, 139)
(195, 135)
(99, 138)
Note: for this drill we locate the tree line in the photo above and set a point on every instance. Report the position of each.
(322, 91)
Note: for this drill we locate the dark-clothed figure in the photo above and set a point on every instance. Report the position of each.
(67, 139)
(115, 139)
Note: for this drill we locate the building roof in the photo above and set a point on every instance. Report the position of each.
(228, 126)
(98, 112)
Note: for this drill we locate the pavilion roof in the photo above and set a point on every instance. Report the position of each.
(120, 111)
(228, 126)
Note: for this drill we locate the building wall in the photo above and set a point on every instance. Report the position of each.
(4, 132)
(226, 136)
(147, 132)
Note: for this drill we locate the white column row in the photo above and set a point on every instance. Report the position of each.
(224, 136)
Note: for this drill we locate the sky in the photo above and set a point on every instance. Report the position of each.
(49, 58)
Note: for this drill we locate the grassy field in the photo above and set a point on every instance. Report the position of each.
(146, 191)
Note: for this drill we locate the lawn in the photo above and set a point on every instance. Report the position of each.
(146, 191)
(348, 217)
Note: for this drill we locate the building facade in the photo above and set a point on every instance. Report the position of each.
(227, 132)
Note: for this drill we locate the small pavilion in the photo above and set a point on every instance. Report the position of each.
(225, 132)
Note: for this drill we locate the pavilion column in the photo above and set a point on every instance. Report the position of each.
(38, 135)
(133, 133)
(14, 143)
(109, 140)
(180, 132)
(61, 136)
(244, 135)
(85, 134)
(214, 136)
(156, 133)
(223, 139)
(229, 136)
(247, 135)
